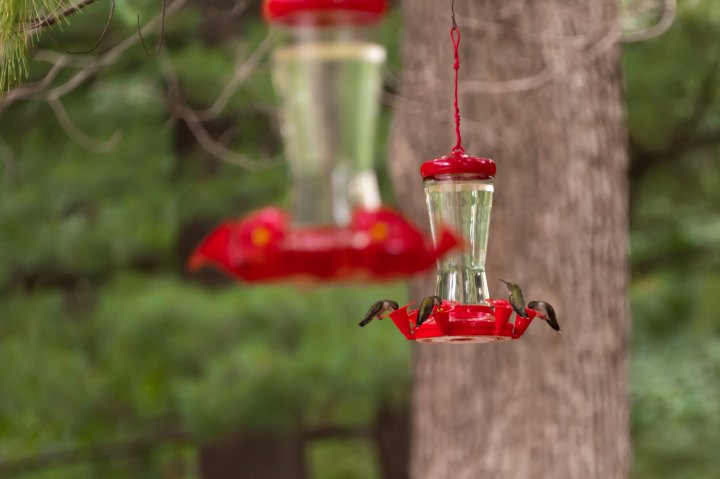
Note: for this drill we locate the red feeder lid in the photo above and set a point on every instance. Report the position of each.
(291, 12)
(458, 163)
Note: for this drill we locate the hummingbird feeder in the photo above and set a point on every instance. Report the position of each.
(327, 72)
(458, 192)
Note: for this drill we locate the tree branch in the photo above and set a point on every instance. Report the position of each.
(666, 20)
(34, 88)
(238, 7)
(162, 33)
(76, 134)
(114, 53)
(703, 101)
(641, 160)
(97, 43)
(138, 446)
(684, 138)
(329, 431)
(582, 55)
(108, 58)
(53, 18)
(100, 452)
(702, 140)
(243, 69)
(180, 109)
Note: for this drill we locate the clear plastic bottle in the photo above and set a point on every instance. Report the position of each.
(328, 76)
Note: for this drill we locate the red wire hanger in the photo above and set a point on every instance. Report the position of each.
(455, 37)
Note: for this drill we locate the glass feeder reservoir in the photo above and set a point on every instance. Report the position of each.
(459, 191)
(328, 74)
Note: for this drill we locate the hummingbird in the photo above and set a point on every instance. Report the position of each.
(547, 312)
(427, 305)
(516, 298)
(378, 309)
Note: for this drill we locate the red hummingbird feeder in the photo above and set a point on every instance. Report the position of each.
(327, 71)
(458, 191)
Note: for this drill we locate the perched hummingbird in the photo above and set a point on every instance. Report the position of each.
(516, 298)
(378, 309)
(426, 308)
(547, 312)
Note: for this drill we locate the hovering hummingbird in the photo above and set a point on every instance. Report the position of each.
(547, 312)
(516, 298)
(378, 309)
(426, 308)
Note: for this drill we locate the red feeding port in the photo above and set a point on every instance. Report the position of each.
(378, 245)
(452, 322)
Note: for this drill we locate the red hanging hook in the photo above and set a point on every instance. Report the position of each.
(455, 37)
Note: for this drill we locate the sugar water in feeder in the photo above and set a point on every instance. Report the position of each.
(459, 191)
(327, 71)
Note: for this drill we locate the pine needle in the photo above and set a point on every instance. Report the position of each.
(15, 39)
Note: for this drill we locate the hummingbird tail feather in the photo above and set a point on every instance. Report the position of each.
(365, 321)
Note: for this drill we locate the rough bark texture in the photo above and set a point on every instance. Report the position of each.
(547, 406)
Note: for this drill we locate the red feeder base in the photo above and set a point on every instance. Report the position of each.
(378, 245)
(463, 323)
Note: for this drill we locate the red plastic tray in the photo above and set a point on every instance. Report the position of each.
(463, 323)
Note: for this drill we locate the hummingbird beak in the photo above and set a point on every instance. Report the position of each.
(506, 283)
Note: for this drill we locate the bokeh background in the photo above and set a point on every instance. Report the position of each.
(117, 363)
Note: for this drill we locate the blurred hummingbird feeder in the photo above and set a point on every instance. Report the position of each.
(458, 193)
(327, 72)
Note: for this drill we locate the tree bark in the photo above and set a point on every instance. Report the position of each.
(392, 439)
(259, 455)
(543, 97)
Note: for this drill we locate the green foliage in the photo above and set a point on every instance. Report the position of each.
(664, 75)
(676, 421)
(223, 358)
(103, 337)
(675, 253)
(106, 338)
(15, 17)
(349, 459)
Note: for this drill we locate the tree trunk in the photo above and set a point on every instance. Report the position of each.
(543, 97)
(260, 455)
(392, 439)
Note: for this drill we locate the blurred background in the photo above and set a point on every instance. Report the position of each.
(117, 363)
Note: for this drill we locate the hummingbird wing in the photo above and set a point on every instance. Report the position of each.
(518, 306)
(372, 312)
(552, 317)
(517, 301)
(547, 312)
(422, 316)
(516, 298)
(426, 308)
(552, 322)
